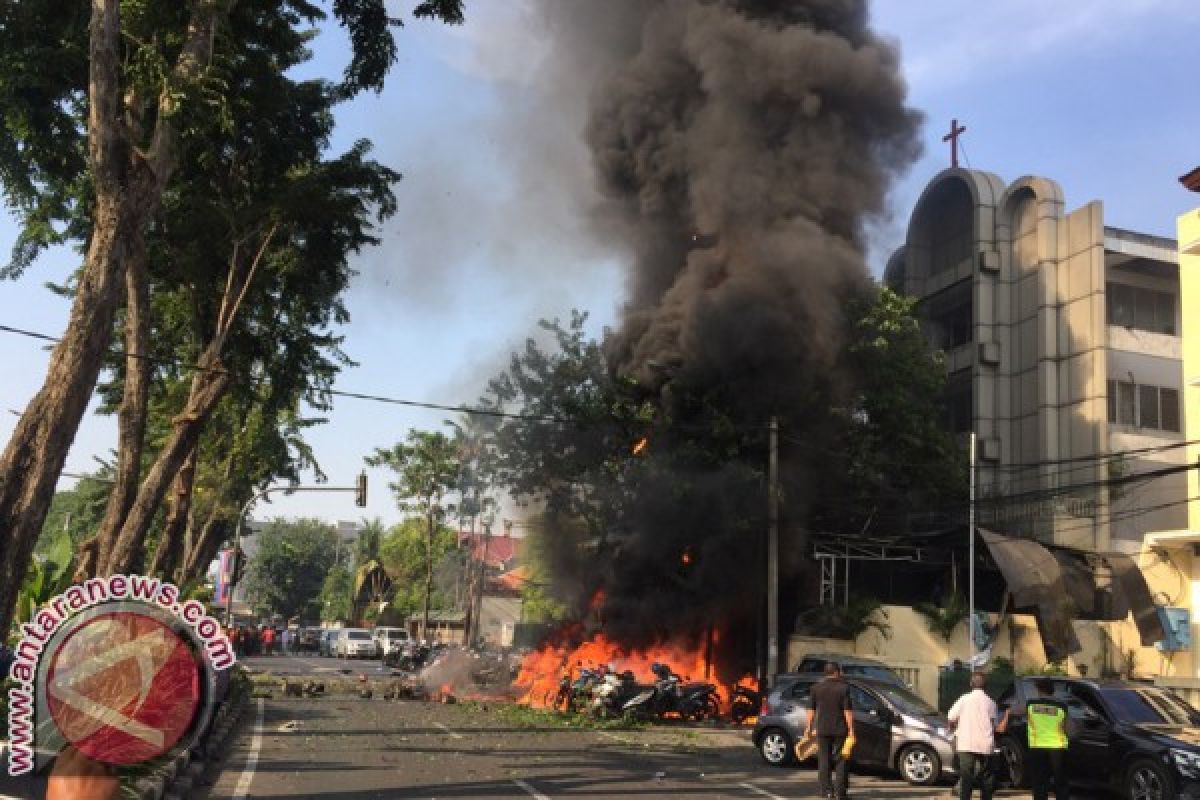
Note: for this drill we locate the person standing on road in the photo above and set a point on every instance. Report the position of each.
(1046, 719)
(975, 721)
(268, 640)
(834, 729)
(285, 641)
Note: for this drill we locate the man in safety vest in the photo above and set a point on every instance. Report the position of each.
(1046, 719)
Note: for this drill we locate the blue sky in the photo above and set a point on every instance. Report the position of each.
(490, 234)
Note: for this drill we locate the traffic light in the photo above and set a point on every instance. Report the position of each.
(360, 490)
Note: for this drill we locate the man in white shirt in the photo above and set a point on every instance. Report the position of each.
(973, 718)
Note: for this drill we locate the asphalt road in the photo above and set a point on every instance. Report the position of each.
(342, 747)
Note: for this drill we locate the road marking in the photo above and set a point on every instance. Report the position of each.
(453, 735)
(534, 793)
(760, 790)
(243, 784)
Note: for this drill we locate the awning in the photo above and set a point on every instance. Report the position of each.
(1059, 585)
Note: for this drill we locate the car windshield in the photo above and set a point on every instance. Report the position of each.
(878, 673)
(906, 701)
(358, 635)
(1154, 706)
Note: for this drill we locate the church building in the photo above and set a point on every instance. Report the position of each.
(1062, 336)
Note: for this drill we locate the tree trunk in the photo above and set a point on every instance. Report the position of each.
(128, 188)
(35, 454)
(197, 539)
(208, 386)
(208, 542)
(170, 544)
(428, 577)
(131, 420)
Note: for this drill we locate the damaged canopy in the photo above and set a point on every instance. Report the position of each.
(1059, 585)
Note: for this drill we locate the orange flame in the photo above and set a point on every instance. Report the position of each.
(542, 669)
(686, 558)
(640, 447)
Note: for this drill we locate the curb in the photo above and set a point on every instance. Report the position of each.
(182, 778)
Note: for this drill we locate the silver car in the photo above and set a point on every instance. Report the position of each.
(895, 729)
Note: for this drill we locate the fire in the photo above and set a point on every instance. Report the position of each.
(686, 558)
(640, 447)
(542, 669)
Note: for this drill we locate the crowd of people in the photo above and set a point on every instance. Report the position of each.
(263, 640)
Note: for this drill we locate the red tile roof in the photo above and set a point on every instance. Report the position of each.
(501, 551)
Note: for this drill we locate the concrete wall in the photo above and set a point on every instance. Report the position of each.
(917, 653)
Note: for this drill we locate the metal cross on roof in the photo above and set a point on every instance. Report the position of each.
(956, 130)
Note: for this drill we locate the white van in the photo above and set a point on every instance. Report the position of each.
(388, 640)
(355, 643)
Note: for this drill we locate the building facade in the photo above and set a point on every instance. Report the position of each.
(1064, 348)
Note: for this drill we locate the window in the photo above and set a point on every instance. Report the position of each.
(1121, 403)
(1144, 309)
(1144, 406)
(799, 691)
(1169, 399)
(863, 701)
(1148, 406)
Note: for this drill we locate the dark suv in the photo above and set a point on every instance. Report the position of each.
(851, 666)
(1140, 741)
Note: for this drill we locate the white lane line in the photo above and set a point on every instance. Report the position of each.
(243, 784)
(453, 735)
(760, 790)
(529, 790)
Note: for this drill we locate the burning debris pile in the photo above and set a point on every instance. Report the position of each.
(741, 148)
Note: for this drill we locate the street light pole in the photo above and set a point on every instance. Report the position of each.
(971, 553)
(773, 552)
(359, 489)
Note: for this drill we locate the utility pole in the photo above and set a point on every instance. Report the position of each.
(359, 488)
(971, 552)
(773, 552)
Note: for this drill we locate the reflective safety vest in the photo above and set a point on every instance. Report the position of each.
(1046, 723)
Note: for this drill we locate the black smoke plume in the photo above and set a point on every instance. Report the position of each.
(740, 148)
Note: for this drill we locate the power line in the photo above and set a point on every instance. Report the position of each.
(463, 409)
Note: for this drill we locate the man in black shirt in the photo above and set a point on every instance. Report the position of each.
(833, 726)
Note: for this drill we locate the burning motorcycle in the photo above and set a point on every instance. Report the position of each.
(745, 704)
(610, 695)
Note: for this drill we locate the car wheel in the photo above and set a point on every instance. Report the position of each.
(919, 765)
(1014, 762)
(775, 747)
(1147, 780)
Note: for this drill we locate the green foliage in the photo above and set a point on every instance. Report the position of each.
(78, 510)
(850, 621)
(404, 553)
(290, 567)
(894, 459)
(336, 593)
(944, 619)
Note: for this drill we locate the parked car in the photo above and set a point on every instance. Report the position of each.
(1139, 741)
(327, 643)
(308, 640)
(355, 643)
(388, 640)
(851, 666)
(895, 729)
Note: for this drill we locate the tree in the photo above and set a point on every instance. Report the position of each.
(336, 595)
(290, 567)
(428, 467)
(896, 464)
(405, 553)
(90, 148)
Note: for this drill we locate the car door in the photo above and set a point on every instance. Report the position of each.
(872, 727)
(795, 706)
(1090, 756)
